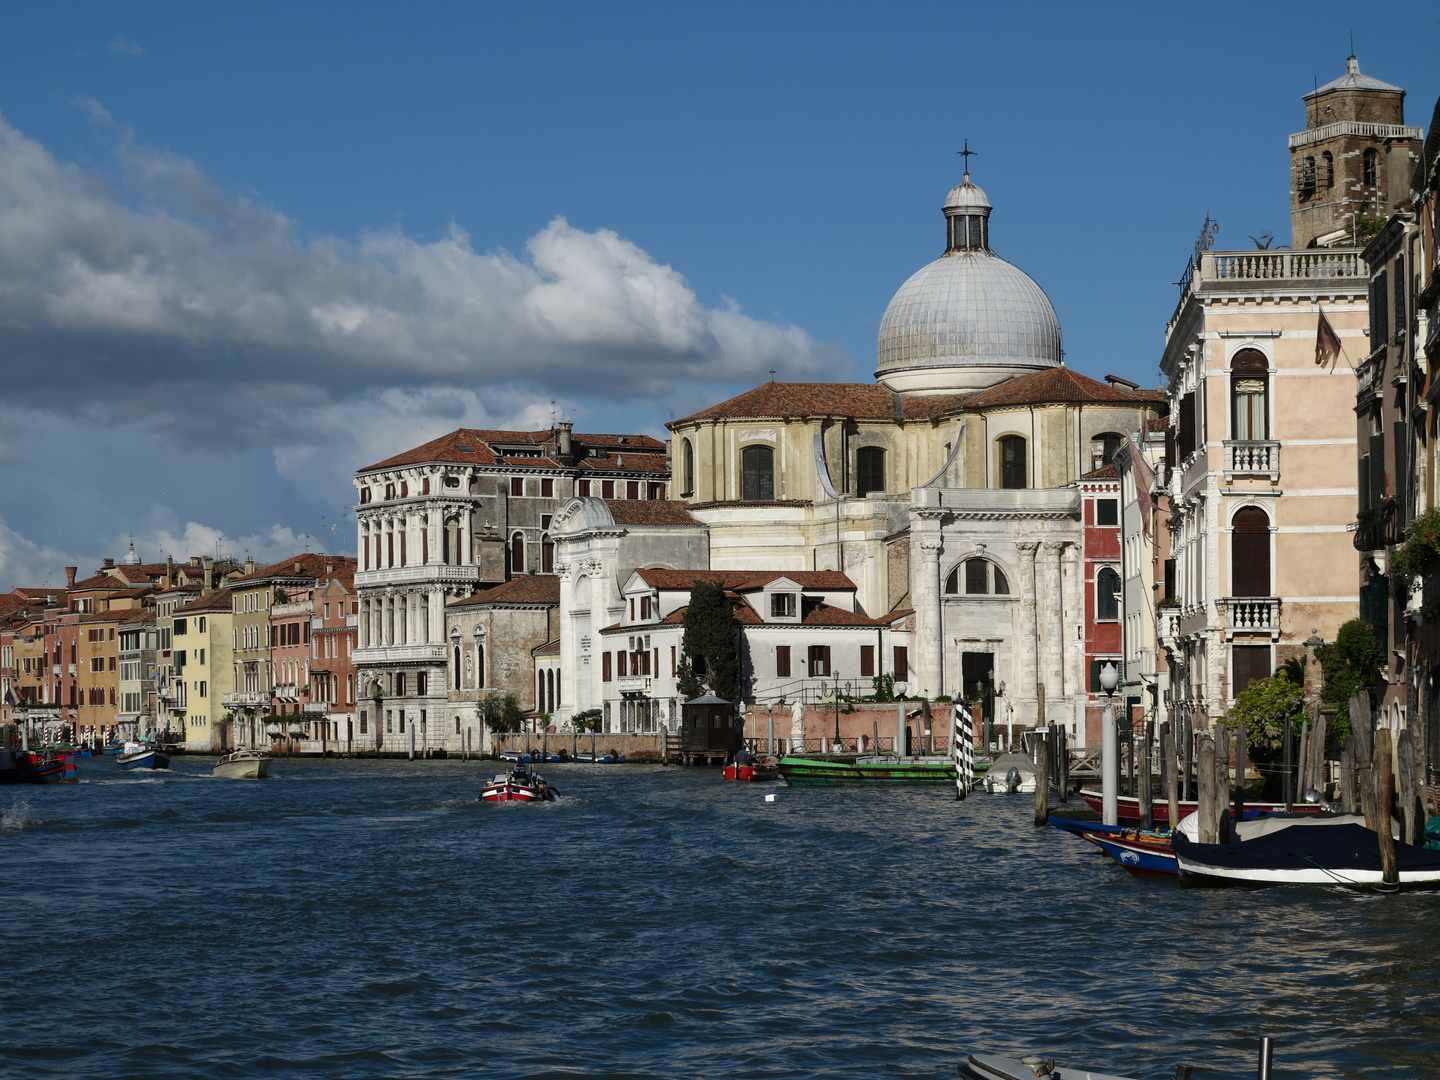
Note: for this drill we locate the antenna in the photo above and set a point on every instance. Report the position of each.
(1352, 41)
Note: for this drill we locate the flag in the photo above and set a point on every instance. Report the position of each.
(1327, 343)
(1144, 481)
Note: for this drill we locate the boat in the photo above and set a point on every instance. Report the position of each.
(1143, 852)
(1076, 827)
(29, 767)
(768, 770)
(995, 1067)
(518, 785)
(828, 770)
(599, 759)
(1128, 807)
(1012, 773)
(1334, 850)
(243, 765)
(140, 756)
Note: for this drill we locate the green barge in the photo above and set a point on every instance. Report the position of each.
(829, 770)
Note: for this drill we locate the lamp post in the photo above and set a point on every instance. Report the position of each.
(836, 673)
(1109, 748)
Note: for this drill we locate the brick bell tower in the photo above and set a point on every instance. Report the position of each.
(1353, 161)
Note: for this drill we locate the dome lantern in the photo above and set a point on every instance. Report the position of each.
(967, 218)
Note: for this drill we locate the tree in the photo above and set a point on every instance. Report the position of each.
(710, 635)
(1264, 706)
(686, 681)
(589, 720)
(1350, 664)
(501, 712)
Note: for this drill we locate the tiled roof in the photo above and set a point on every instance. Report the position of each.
(525, 589)
(1060, 385)
(625, 460)
(740, 580)
(863, 401)
(100, 581)
(311, 565)
(822, 615)
(649, 512)
(714, 503)
(478, 446)
(1105, 472)
(215, 600)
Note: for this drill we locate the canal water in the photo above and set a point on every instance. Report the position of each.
(371, 919)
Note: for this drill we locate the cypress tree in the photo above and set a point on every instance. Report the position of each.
(710, 636)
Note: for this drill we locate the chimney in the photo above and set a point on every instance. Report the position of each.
(329, 567)
(297, 566)
(566, 449)
(169, 579)
(249, 564)
(209, 564)
(109, 564)
(1122, 384)
(70, 576)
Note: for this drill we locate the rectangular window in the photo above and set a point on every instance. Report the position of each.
(547, 488)
(782, 661)
(672, 662)
(782, 605)
(517, 486)
(656, 491)
(364, 723)
(203, 688)
(605, 661)
(400, 691)
(607, 489)
(644, 607)
(632, 489)
(1107, 512)
(200, 624)
(867, 661)
(902, 664)
(179, 627)
(819, 661)
(622, 660)
(582, 488)
(422, 682)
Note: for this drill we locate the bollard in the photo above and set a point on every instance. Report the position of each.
(1267, 1058)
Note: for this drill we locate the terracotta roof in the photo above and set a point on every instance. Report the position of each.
(526, 589)
(649, 512)
(215, 600)
(1157, 425)
(1105, 472)
(312, 565)
(101, 581)
(626, 461)
(479, 446)
(749, 502)
(863, 401)
(740, 580)
(821, 615)
(1060, 385)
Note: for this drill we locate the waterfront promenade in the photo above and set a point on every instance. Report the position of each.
(353, 918)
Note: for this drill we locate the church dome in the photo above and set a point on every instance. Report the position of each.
(969, 319)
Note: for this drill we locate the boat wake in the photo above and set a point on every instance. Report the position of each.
(17, 815)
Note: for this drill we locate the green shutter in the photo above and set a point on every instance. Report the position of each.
(1364, 486)
(1377, 471)
(1094, 676)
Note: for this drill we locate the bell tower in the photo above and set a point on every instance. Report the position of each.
(1353, 160)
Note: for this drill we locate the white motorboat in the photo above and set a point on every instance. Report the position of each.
(995, 1067)
(243, 765)
(1011, 773)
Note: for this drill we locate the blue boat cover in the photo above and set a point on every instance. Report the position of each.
(1304, 847)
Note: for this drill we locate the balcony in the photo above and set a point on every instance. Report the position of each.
(317, 708)
(1251, 615)
(1280, 272)
(1167, 626)
(1252, 459)
(633, 684)
(245, 698)
(1354, 127)
(430, 574)
(352, 621)
(399, 654)
(298, 607)
(285, 692)
(1193, 619)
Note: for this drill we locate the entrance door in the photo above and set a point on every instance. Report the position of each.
(977, 677)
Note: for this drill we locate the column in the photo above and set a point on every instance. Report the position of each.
(1051, 625)
(926, 545)
(1028, 663)
(1075, 677)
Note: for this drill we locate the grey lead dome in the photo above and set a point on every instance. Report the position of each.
(968, 320)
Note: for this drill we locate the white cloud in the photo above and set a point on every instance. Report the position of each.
(26, 563)
(123, 46)
(212, 317)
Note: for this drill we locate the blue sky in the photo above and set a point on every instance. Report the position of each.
(246, 249)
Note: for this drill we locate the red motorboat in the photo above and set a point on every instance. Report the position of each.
(518, 785)
(28, 767)
(735, 771)
(1128, 807)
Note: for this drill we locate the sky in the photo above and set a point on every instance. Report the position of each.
(248, 249)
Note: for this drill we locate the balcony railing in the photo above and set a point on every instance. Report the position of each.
(1353, 127)
(245, 698)
(400, 654)
(633, 683)
(317, 707)
(297, 607)
(1253, 458)
(285, 692)
(438, 573)
(1281, 265)
(1251, 615)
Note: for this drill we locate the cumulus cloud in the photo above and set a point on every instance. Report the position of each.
(160, 296)
(26, 563)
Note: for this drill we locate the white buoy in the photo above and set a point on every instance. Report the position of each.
(769, 798)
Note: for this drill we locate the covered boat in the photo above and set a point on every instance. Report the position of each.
(518, 785)
(243, 765)
(139, 756)
(1336, 850)
(1014, 773)
(827, 770)
(995, 1067)
(1128, 807)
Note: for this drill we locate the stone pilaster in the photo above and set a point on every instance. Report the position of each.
(926, 545)
(1027, 662)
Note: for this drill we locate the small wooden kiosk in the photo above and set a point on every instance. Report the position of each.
(710, 731)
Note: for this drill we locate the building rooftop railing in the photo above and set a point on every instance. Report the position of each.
(1235, 267)
(1353, 127)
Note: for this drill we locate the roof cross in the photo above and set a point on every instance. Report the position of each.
(967, 154)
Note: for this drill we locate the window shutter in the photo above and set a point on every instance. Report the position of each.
(867, 661)
(1399, 293)
(782, 661)
(1401, 433)
(1364, 486)
(1095, 677)
(902, 663)
(1377, 471)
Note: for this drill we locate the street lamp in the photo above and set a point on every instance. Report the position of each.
(836, 673)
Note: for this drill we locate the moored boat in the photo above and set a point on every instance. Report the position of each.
(750, 771)
(995, 1067)
(827, 770)
(1012, 774)
(140, 756)
(243, 765)
(518, 785)
(1143, 852)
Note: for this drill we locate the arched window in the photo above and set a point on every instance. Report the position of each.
(550, 689)
(1103, 448)
(1372, 168)
(547, 555)
(479, 664)
(1250, 553)
(687, 467)
(455, 651)
(539, 691)
(869, 470)
(757, 473)
(1327, 169)
(1012, 462)
(517, 553)
(1249, 383)
(1307, 174)
(1107, 594)
(980, 577)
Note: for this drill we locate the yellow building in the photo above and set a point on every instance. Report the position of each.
(202, 658)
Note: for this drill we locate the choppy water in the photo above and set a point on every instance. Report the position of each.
(371, 919)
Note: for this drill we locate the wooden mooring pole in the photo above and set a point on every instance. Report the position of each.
(1385, 796)
(1205, 782)
(1171, 766)
(1042, 761)
(1147, 817)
